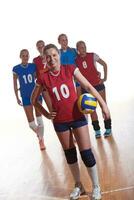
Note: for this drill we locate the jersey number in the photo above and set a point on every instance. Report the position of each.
(64, 91)
(84, 64)
(28, 78)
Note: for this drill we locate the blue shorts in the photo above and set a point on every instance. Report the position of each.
(65, 126)
(26, 101)
(77, 84)
(97, 87)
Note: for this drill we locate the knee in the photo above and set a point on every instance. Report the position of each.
(88, 158)
(40, 121)
(71, 155)
(96, 125)
(33, 126)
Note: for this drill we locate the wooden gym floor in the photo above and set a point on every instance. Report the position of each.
(26, 173)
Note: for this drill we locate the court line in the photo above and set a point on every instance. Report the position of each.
(110, 191)
(119, 189)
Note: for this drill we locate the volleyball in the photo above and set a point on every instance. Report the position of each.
(87, 103)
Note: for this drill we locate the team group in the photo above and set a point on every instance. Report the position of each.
(60, 76)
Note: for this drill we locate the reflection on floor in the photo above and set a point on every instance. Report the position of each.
(26, 173)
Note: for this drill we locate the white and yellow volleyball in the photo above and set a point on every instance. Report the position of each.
(87, 103)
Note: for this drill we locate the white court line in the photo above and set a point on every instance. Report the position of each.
(106, 192)
(120, 189)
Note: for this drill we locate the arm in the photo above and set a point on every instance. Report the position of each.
(47, 100)
(34, 99)
(88, 87)
(15, 77)
(102, 62)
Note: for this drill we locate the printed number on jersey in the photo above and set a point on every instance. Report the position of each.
(64, 91)
(84, 64)
(28, 78)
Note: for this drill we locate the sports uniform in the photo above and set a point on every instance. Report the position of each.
(26, 77)
(67, 57)
(39, 65)
(88, 69)
(63, 94)
(58, 81)
(87, 66)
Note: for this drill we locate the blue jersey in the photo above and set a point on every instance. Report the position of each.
(68, 56)
(26, 76)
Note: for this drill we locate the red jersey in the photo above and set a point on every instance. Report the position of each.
(63, 93)
(88, 69)
(39, 65)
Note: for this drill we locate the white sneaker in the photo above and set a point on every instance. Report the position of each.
(96, 193)
(77, 191)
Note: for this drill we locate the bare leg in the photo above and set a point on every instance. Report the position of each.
(30, 117)
(94, 117)
(84, 144)
(66, 139)
(82, 137)
(67, 142)
(29, 113)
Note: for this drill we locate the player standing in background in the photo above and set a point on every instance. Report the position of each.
(58, 82)
(67, 54)
(40, 68)
(24, 82)
(86, 62)
(39, 61)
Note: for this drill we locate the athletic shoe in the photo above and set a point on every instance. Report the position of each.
(41, 143)
(96, 193)
(98, 134)
(108, 132)
(77, 191)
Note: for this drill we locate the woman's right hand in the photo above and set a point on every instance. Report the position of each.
(52, 115)
(19, 102)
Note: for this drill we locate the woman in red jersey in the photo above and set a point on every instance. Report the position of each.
(40, 44)
(40, 63)
(86, 62)
(58, 82)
